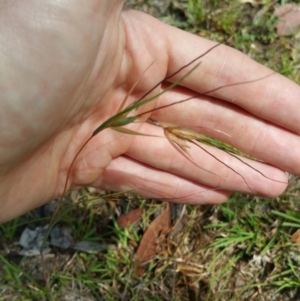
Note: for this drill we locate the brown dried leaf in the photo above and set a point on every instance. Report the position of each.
(296, 237)
(289, 19)
(128, 219)
(284, 9)
(189, 270)
(181, 221)
(147, 248)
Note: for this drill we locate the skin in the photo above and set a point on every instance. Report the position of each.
(66, 67)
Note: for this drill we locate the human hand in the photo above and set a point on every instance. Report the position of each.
(66, 68)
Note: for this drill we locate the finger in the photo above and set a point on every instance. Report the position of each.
(124, 173)
(204, 168)
(275, 98)
(254, 136)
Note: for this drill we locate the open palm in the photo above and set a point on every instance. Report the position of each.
(67, 66)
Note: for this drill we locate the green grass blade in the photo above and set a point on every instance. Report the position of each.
(115, 120)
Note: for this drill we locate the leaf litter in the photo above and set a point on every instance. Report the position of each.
(151, 239)
(193, 251)
(158, 229)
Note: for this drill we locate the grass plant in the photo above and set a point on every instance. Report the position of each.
(240, 250)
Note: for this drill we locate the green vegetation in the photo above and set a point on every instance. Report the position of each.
(245, 249)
